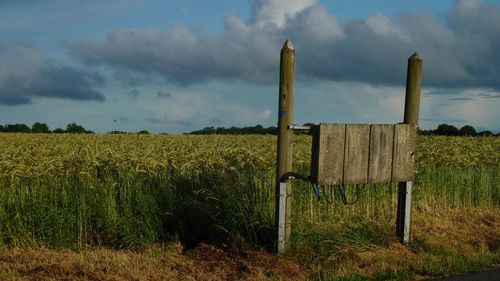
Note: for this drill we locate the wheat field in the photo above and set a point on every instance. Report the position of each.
(133, 190)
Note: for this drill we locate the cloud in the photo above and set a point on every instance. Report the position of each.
(459, 51)
(216, 121)
(460, 99)
(159, 121)
(134, 93)
(26, 73)
(276, 12)
(184, 123)
(444, 120)
(490, 96)
(467, 106)
(208, 105)
(19, 2)
(123, 119)
(181, 55)
(155, 120)
(163, 95)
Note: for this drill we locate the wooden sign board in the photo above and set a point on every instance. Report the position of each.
(357, 154)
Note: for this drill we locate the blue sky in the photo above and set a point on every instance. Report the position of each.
(179, 66)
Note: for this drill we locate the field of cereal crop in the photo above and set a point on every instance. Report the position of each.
(132, 191)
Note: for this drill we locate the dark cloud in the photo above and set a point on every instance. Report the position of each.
(134, 93)
(478, 93)
(179, 55)
(20, 2)
(163, 95)
(153, 120)
(442, 91)
(376, 49)
(459, 99)
(459, 51)
(8, 99)
(215, 121)
(183, 123)
(25, 73)
(486, 96)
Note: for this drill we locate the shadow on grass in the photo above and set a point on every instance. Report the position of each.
(120, 210)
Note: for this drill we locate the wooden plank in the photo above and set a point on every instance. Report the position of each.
(357, 146)
(405, 140)
(328, 154)
(381, 149)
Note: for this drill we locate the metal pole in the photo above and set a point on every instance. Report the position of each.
(283, 209)
(412, 107)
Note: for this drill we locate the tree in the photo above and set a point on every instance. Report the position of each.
(40, 128)
(115, 132)
(486, 133)
(74, 128)
(17, 128)
(258, 129)
(204, 131)
(58, 131)
(447, 130)
(1, 128)
(426, 132)
(143, 132)
(468, 130)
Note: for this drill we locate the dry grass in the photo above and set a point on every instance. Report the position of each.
(155, 263)
(441, 239)
(445, 242)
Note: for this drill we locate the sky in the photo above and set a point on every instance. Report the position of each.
(177, 66)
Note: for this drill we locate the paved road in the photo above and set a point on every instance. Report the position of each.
(490, 275)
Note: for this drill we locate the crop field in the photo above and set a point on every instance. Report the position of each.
(130, 192)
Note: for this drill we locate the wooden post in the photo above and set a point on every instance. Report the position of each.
(412, 107)
(283, 209)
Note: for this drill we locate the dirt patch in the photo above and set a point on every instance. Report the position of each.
(234, 263)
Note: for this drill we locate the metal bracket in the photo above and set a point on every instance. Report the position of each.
(292, 175)
(297, 128)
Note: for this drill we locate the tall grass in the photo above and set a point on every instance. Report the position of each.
(131, 191)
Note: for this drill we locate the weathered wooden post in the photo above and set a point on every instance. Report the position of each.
(412, 107)
(283, 209)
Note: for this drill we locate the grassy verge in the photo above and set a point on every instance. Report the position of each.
(444, 243)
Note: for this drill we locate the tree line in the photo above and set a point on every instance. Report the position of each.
(441, 130)
(450, 130)
(255, 130)
(42, 128)
(73, 128)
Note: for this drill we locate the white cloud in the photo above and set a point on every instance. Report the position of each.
(275, 13)
(474, 106)
(383, 26)
(346, 72)
(458, 53)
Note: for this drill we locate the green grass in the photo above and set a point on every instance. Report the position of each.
(138, 209)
